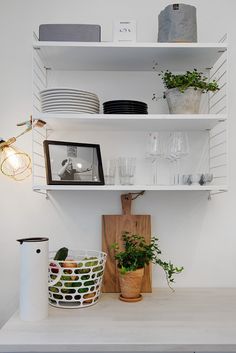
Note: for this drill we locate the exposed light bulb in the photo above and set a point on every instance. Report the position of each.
(14, 163)
(13, 158)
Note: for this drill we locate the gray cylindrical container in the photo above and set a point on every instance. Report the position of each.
(187, 102)
(33, 278)
(177, 23)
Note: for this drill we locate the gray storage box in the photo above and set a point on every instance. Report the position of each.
(70, 33)
(177, 23)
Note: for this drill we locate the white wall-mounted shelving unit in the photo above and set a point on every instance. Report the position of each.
(129, 70)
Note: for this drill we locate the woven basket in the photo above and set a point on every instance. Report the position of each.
(79, 279)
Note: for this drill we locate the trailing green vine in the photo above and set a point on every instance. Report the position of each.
(193, 79)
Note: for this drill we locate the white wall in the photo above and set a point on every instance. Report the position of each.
(193, 232)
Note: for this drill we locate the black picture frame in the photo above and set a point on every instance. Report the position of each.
(61, 171)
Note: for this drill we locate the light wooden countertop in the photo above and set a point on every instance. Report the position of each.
(188, 320)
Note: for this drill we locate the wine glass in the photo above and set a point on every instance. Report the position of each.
(154, 152)
(177, 149)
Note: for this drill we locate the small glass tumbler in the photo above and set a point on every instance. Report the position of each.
(195, 179)
(109, 169)
(207, 178)
(127, 168)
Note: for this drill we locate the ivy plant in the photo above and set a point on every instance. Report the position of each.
(193, 79)
(137, 253)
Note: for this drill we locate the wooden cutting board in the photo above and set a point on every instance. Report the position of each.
(112, 228)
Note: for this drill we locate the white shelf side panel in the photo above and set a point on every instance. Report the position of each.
(38, 161)
(218, 100)
(38, 134)
(39, 79)
(218, 136)
(218, 154)
(131, 57)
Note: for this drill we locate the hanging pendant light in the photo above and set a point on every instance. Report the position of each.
(14, 163)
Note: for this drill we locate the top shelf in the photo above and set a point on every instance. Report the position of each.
(109, 56)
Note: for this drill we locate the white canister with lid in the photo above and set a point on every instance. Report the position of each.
(34, 279)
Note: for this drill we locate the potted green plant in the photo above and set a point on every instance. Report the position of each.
(132, 259)
(184, 91)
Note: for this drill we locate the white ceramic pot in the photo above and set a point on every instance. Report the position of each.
(187, 102)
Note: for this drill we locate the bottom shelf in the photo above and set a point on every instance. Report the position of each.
(217, 188)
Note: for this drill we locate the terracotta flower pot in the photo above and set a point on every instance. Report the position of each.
(130, 283)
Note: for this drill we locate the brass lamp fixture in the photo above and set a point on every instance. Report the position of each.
(14, 163)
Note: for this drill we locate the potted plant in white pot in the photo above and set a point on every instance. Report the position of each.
(184, 91)
(132, 259)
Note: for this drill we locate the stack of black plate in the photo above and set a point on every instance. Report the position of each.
(125, 107)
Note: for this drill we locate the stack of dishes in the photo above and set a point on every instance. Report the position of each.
(125, 107)
(68, 100)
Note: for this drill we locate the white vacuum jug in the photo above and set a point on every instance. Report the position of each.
(34, 279)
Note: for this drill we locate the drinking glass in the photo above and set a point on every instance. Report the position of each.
(207, 178)
(127, 168)
(154, 152)
(109, 169)
(195, 179)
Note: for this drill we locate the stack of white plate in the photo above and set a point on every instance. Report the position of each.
(68, 100)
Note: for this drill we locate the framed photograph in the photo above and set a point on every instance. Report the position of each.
(72, 163)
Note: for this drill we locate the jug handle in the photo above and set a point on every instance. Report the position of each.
(52, 283)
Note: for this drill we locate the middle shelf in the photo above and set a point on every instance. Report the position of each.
(126, 136)
(216, 188)
(151, 122)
